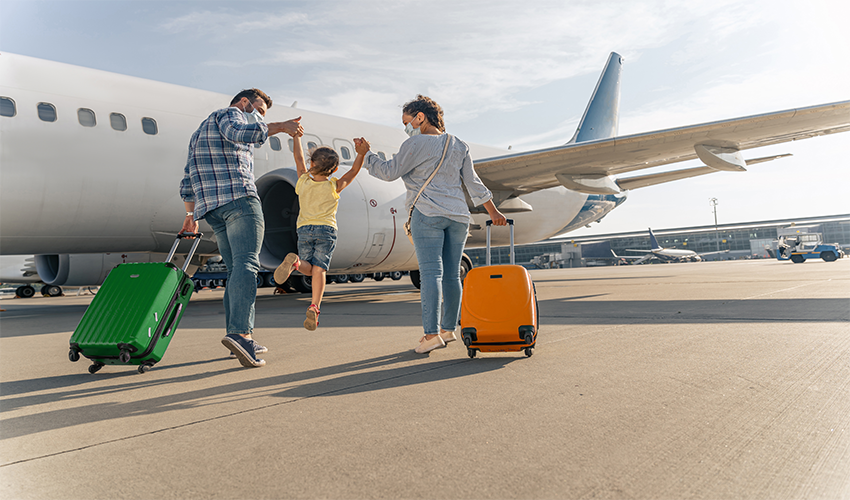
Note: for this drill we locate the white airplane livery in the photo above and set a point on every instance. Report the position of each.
(669, 254)
(91, 163)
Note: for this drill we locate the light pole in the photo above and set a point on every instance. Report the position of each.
(713, 203)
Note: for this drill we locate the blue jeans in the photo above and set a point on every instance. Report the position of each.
(439, 243)
(316, 245)
(239, 227)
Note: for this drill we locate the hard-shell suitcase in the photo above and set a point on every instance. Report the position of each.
(133, 317)
(499, 307)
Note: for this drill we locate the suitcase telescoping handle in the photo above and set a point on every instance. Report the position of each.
(180, 236)
(511, 224)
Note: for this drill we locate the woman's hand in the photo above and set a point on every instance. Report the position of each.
(362, 146)
(497, 217)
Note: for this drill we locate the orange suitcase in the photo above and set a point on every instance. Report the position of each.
(499, 307)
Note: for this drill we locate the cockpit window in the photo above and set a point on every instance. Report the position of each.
(86, 117)
(118, 121)
(149, 126)
(7, 107)
(46, 112)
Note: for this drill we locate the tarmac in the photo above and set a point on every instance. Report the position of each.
(707, 380)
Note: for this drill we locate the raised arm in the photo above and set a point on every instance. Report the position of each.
(362, 147)
(298, 153)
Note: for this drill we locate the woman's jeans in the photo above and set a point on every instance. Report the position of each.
(439, 243)
(239, 227)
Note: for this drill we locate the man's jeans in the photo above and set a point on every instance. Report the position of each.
(439, 243)
(239, 227)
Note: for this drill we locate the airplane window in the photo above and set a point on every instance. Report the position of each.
(46, 112)
(149, 126)
(86, 117)
(291, 146)
(382, 155)
(311, 145)
(346, 154)
(274, 142)
(7, 107)
(118, 121)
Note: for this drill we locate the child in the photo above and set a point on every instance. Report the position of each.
(318, 198)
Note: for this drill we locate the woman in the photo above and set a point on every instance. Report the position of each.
(440, 221)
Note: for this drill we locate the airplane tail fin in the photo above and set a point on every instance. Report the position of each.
(653, 243)
(601, 118)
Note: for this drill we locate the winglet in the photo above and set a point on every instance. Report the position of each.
(600, 119)
(653, 243)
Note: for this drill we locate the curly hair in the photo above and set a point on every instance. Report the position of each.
(433, 111)
(323, 161)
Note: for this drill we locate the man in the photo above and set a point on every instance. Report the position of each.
(218, 186)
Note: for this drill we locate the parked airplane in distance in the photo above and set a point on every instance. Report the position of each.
(91, 163)
(669, 254)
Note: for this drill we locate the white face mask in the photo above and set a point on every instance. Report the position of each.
(410, 130)
(254, 116)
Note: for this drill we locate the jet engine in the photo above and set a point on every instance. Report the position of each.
(91, 269)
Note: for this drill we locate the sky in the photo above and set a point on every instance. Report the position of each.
(508, 74)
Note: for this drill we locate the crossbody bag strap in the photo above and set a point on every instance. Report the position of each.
(445, 148)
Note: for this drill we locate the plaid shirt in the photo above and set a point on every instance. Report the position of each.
(220, 166)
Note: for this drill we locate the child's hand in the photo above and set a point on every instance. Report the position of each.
(362, 146)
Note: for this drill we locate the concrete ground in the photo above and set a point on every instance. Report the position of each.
(705, 380)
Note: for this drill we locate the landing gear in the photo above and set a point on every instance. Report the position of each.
(414, 277)
(51, 291)
(25, 291)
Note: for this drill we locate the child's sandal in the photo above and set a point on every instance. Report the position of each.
(312, 321)
(290, 263)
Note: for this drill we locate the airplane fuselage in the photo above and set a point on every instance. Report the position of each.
(91, 163)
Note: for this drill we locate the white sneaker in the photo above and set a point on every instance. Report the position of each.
(430, 345)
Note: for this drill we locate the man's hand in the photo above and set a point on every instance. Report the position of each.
(190, 225)
(362, 146)
(291, 127)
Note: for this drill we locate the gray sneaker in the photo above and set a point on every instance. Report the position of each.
(258, 349)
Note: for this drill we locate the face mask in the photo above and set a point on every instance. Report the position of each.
(254, 116)
(410, 130)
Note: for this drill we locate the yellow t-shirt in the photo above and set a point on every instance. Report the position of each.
(318, 201)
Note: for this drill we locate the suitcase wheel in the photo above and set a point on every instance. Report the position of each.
(74, 355)
(145, 367)
(95, 368)
(124, 357)
(528, 352)
(471, 352)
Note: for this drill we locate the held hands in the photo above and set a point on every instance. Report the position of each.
(362, 146)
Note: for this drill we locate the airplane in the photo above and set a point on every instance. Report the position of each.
(669, 254)
(91, 162)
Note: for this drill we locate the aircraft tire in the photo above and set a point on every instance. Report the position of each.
(415, 278)
(356, 278)
(25, 292)
(301, 283)
(396, 275)
(51, 291)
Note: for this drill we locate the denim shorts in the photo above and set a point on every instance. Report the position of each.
(316, 245)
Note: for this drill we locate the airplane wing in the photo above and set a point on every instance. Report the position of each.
(588, 166)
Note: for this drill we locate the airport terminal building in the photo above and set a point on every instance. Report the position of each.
(742, 240)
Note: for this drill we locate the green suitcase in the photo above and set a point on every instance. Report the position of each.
(133, 317)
